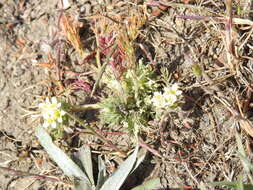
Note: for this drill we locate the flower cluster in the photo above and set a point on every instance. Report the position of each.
(52, 113)
(168, 98)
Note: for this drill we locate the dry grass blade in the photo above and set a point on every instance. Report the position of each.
(236, 21)
(228, 34)
(163, 4)
(153, 151)
(246, 39)
(71, 32)
(245, 124)
(9, 171)
(242, 21)
(102, 70)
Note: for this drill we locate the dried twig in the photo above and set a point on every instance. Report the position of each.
(228, 34)
(153, 151)
(20, 173)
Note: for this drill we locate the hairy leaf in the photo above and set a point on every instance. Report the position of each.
(61, 159)
(120, 175)
(149, 185)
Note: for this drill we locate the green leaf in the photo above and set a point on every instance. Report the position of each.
(81, 185)
(101, 173)
(240, 145)
(61, 159)
(140, 157)
(238, 185)
(202, 187)
(120, 175)
(84, 155)
(226, 183)
(196, 69)
(246, 163)
(149, 185)
(247, 186)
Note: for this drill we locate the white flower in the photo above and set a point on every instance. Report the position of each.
(173, 90)
(158, 100)
(114, 84)
(168, 99)
(52, 113)
(65, 4)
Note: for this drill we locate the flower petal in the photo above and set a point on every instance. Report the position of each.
(62, 112)
(54, 100)
(52, 112)
(60, 120)
(45, 125)
(174, 87)
(47, 100)
(179, 92)
(46, 115)
(170, 99)
(53, 124)
(41, 105)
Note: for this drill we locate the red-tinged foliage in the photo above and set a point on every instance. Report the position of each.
(79, 84)
(118, 58)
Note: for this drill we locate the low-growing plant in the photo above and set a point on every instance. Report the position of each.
(129, 99)
(56, 115)
(138, 97)
(134, 86)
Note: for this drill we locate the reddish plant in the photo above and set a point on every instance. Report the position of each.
(118, 58)
(79, 84)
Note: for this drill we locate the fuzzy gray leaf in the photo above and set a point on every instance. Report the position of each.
(62, 160)
(149, 185)
(84, 155)
(120, 175)
(102, 176)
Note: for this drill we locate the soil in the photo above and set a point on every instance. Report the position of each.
(197, 145)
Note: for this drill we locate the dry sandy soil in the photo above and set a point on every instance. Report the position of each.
(197, 145)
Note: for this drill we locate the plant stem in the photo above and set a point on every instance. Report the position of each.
(85, 107)
(94, 132)
(102, 70)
